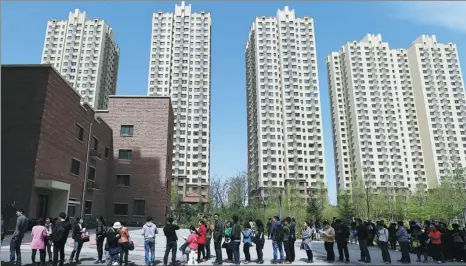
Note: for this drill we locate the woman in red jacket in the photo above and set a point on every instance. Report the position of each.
(202, 240)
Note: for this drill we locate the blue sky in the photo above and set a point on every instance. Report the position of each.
(23, 26)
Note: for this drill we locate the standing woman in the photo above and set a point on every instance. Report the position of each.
(39, 234)
(124, 244)
(247, 242)
(48, 241)
(228, 245)
(202, 241)
(259, 240)
(78, 230)
(307, 241)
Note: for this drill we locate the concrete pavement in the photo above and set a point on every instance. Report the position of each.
(89, 251)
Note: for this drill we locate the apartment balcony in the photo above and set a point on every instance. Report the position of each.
(94, 155)
(91, 185)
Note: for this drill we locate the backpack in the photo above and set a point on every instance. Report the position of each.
(279, 234)
(58, 233)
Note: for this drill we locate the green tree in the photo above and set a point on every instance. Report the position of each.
(318, 202)
(345, 207)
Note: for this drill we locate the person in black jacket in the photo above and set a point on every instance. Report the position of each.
(60, 232)
(362, 233)
(78, 229)
(259, 240)
(218, 234)
(292, 239)
(100, 234)
(392, 236)
(269, 228)
(341, 236)
(236, 239)
(170, 232)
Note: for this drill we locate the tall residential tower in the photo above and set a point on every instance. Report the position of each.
(84, 51)
(285, 143)
(398, 115)
(179, 67)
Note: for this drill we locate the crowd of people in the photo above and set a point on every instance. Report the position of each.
(430, 241)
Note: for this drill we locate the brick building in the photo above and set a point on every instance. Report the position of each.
(50, 143)
(58, 155)
(142, 141)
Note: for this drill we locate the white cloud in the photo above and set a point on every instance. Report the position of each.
(448, 14)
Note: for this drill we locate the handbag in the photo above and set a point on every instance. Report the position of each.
(131, 245)
(85, 237)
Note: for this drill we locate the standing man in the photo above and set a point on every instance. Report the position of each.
(341, 236)
(170, 233)
(208, 236)
(149, 230)
(218, 234)
(60, 233)
(403, 239)
(292, 239)
(361, 232)
(236, 239)
(277, 239)
(15, 245)
(329, 241)
(269, 228)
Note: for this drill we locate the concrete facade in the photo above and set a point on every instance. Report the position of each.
(285, 137)
(141, 182)
(179, 67)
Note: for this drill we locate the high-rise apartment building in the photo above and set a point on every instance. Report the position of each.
(179, 67)
(285, 143)
(84, 51)
(398, 115)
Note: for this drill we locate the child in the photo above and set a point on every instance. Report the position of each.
(192, 248)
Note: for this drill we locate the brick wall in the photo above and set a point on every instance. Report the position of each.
(150, 166)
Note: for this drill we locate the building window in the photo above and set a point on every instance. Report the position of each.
(120, 209)
(107, 152)
(95, 146)
(71, 211)
(125, 154)
(75, 164)
(88, 207)
(123, 180)
(126, 131)
(79, 132)
(138, 207)
(91, 174)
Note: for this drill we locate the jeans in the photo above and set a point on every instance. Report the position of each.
(218, 251)
(42, 255)
(310, 256)
(78, 245)
(365, 256)
(100, 248)
(277, 246)
(48, 246)
(404, 246)
(170, 246)
(330, 253)
(260, 252)
(58, 247)
(286, 247)
(200, 249)
(236, 252)
(247, 255)
(149, 247)
(292, 251)
(124, 252)
(385, 253)
(342, 247)
(15, 248)
(207, 247)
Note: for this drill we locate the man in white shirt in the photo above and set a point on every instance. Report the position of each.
(383, 242)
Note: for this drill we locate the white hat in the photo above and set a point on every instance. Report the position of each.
(117, 225)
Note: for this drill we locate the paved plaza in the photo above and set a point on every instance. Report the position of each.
(136, 257)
